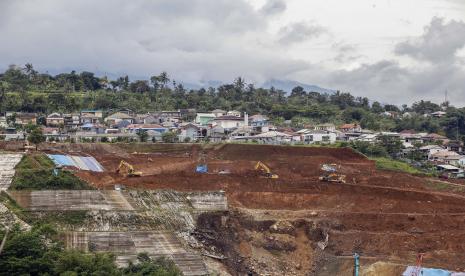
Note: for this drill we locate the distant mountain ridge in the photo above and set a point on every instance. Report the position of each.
(284, 85)
(288, 85)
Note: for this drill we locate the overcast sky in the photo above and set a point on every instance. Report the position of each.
(395, 51)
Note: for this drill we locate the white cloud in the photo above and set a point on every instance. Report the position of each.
(439, 43)
(299, 32)
(273, 7)
(346, 45)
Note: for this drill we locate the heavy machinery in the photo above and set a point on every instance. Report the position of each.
(202, 166)
(330, 174)
(264, 168)
(130, 171)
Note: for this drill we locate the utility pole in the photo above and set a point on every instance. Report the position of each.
(356, 264)
(457, 128)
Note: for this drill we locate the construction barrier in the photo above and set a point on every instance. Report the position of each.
(80, 162)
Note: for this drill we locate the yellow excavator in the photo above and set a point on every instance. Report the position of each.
(130, 171)
(264, 168)
(331, 175)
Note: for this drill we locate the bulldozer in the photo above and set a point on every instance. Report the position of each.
(331, 175)
(130, 171)
(264, 168)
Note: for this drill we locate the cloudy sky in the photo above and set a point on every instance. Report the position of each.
(396, 51)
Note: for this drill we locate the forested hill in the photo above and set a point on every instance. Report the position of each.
(24, 89)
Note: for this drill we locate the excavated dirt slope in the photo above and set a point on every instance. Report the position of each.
(298, 225)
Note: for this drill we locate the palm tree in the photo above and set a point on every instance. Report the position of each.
(29, 69)
(73, 79)
(164, 79)
(155, 82)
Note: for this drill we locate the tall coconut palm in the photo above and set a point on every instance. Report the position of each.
(164, 79)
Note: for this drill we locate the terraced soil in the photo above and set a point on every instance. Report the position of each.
(279, 226)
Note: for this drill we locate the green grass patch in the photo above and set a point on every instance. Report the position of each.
(157, 147)
(36, 172)
(444, 186)
(61, 219)
(13, 206)
(35, 162)
(383, 163)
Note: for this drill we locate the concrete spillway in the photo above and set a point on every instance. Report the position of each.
(127, 223)
(126, 246)
(8, 163)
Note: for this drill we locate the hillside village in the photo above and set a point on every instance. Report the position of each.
(430, 151)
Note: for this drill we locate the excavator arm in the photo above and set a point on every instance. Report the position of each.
(264, 168)
(129, 168)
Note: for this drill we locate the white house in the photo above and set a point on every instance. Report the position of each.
(135, 128)
(118, 117)
(270, 137)
(409, 138)
(204, 118)
(233, 113)
(325, 127)
(368, 137)
(55, 119)
(72, 120)
(3, 122)
(438, 114)
(350, 128)
(431, 149)
(229, 122)
(218, 112)
(317, 136)
(190, 132)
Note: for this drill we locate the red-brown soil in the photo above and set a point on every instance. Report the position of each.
(388, 216)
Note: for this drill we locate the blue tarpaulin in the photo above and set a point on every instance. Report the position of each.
(201, 169)
(431, 272)
(80, 162)
(92, 164)
(61, 160)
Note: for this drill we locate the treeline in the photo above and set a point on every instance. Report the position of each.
(40, 251)
(24, 89)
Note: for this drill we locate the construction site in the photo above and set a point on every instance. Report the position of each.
(239, 209)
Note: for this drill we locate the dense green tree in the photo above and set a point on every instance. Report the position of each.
(25, 90)
(377, 108)
(391, 144)
(143, 135)
(147, 266)
(89, 81)
(139, 86)
(39, 252)
(16, 79)
(36, 137)
(425, 107)
(169, 137)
